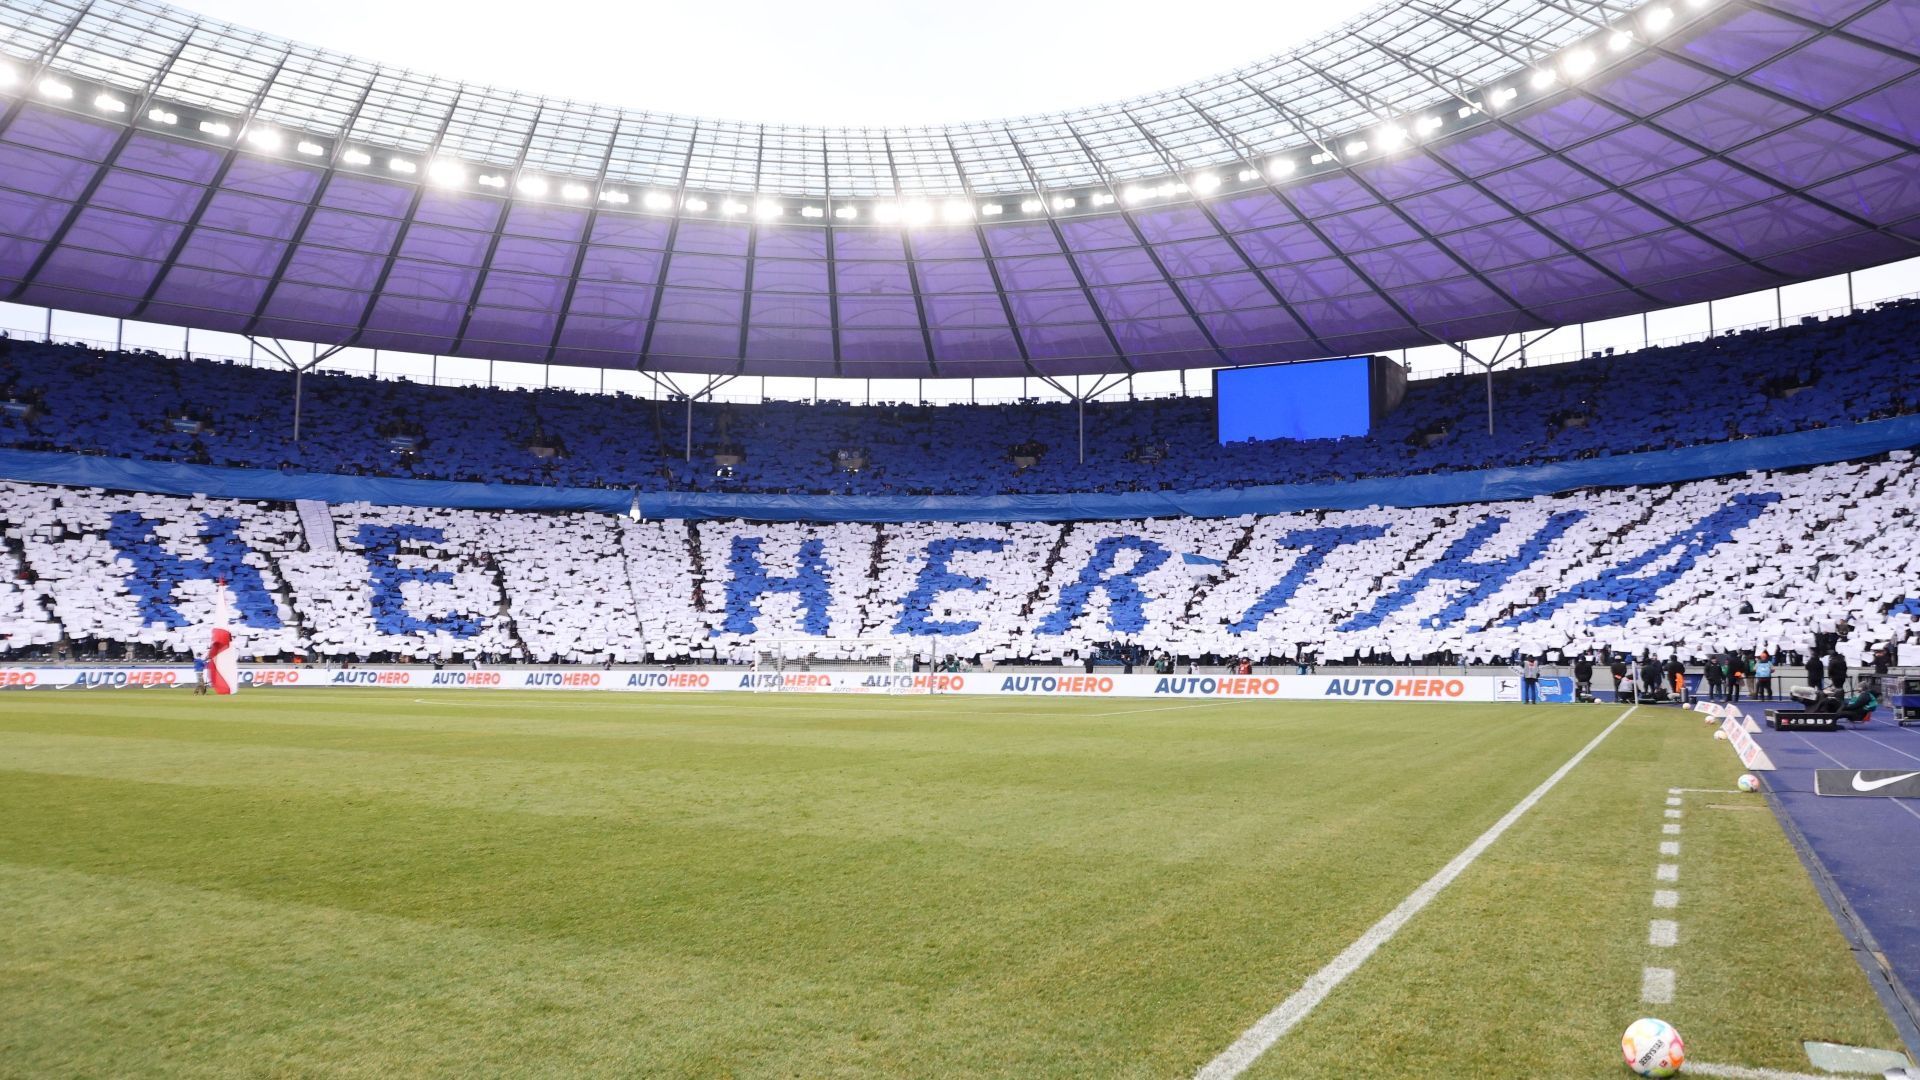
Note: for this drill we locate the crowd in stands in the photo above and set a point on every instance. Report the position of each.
(1814, 374)
(1753, 564)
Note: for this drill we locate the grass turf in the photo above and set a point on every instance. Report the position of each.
(375, 883)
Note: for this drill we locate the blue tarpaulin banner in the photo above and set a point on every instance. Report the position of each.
(1445, 489)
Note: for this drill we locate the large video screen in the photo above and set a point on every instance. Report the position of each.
(1321, 399)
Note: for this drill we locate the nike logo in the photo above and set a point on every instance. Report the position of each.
(1875, 785)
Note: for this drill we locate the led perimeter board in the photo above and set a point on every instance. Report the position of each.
(1317, 399)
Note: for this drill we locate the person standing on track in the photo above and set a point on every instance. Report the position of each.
(1763, 678)
(199, 674)
(1529, 681)
(1837, 672)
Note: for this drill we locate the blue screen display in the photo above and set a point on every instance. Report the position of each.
(1324, 399)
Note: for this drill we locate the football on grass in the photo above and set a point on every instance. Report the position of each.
(1653, 1048)
(1749, 782)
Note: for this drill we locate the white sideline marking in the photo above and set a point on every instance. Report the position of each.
(1669, 847)
(1666, 898)
(1674, 801)
(1174, 708)
(1670, 830)
(1663, 933)
(1889, 746)
(1268, 1030)
(1656, 985)
(1674, 813)
(1666, 871)
(1709, 790)
(1743, 1072)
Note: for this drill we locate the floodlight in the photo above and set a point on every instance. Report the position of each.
(992, 209)
(1391, 137)
(1281, 167)
(1579, 62)
(1321, 158)
(1032, 206)
(8, 76)
(1505, 94)
(617, 198)
(109, 103)
(1658, 18)
(1619, 41)
(767, 210)
(311, 149)
(402, 166)
(1542, 79)
(531, 185)
(492, 180)
(657, 200)
(955, 210)
(216, 128)
(162, 116)
(1245, 175)
(731, 207)
(1062, 202)
(55, 90)
(1100, 198)
(886, 213)
(1429, 124)
(812, 212)
(1206, 183)
(264, 137)
(916, 212)
(356, 157)
(694, 203)
(1136, 195)
(845, 213)
(1354, 148)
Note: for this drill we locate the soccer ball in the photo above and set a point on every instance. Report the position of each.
(1653, 1048)
(1710, 718)
(1749, 782)
(1720, 734)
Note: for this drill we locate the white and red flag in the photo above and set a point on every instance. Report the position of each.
(223, 661)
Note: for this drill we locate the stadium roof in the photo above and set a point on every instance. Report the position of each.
(1434, 172)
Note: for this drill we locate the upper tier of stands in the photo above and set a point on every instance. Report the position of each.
(1815, 374)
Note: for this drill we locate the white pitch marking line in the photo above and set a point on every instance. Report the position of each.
(1674, 801)
(1656, 985)
(1174, 708)
(1889, 746)
(1708, 790)
(1670, 830)
(1268, 1030)
(1663, 933)
(1673, 813)
(1666, 871)
(1743, 1072)
(1669, 847)
(1675, 790)
(1666, 898)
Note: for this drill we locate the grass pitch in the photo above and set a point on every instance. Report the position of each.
(383, 883)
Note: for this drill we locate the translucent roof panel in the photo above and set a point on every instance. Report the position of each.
(1432, 173)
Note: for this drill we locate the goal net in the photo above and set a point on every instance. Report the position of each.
(846, 665)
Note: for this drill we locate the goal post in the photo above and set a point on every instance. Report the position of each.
(848, 665)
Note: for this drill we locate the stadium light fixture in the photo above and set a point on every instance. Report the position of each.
(1619, 41)
(657, 200)
(1391, 137)
(447, 173)
(1579, 62)
(731, 208)
(402, 166)
(217, 128)
(992, 209)
(55, 90)
(916, 212)
(1658, 18)
(8, 76)
(1100, 198)
(954, 210)
(265, 138)
(1205, 183)
(812, 212)
(1135, 194)
(1031, 206)
(1354, 148)
(1246, 175)
(886, 213)
(845, 213)
(1429, 124)
(1281, 168)
(310, 149)
(694, 203)
(109, 103)
(533, 186)
(492, 180)
(574, 192)
(615, 198)
(162, 116)
(1542, 78)
(1063, 202)
(1505, 94)
(767, 211)
(1321, 158)
(356, 157)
